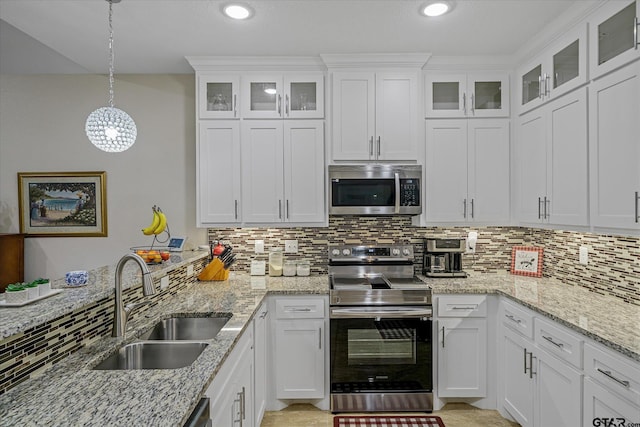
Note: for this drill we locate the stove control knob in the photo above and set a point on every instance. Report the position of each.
(335, 252)
(395, 251)
(406, 252)
(346, 252)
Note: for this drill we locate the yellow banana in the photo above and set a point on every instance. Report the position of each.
(163, 223)
(154, 224)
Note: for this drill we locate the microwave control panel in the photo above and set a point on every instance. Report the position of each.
(409, 192)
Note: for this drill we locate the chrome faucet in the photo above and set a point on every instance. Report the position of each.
(121, 313)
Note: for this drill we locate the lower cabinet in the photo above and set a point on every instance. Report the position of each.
(299, 353)
(231, 391)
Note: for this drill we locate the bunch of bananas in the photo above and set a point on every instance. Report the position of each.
(158, 224)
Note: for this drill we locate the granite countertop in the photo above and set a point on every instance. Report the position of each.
(71, 393)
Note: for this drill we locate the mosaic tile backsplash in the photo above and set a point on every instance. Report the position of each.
(614, 261)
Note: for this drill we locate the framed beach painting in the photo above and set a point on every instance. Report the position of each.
(63, 204)
(526, 261)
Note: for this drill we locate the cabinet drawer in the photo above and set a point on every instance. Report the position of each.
(559, 341)
(462, 306)
(618, 374)
(518, 319)
(300, 308)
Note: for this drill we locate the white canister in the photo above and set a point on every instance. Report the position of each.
(289, 268)
(303, 268)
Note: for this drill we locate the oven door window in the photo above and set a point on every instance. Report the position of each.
(363, 192)
(385, 343)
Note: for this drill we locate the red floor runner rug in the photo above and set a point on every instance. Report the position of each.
(388, 421)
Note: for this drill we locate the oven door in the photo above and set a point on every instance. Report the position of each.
(380, 349)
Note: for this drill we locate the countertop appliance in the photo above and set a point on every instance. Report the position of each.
(375, 189)
(380, 331)
(443, 257)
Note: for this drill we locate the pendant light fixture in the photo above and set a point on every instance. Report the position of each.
(109, 128)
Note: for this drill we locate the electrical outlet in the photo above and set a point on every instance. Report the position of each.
(291, 246)
(164, 283)
(259, 246)
(190, 270)
(584, 255)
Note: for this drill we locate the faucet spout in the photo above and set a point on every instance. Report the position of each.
(121, 314)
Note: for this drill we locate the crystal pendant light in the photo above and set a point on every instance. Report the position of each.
(109, 128)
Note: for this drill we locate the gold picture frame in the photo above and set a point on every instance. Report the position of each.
(63, 204)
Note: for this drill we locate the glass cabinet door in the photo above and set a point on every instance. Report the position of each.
(615, 31)
(218, 96)
(531, 85)
(304, 96)
(262, 96)
(489, 95)
(446, 95)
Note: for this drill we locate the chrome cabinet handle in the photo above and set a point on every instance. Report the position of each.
(525, 361)
(513, 319)
(637, 198)
(378, 146)
(236, 208)
(547, 202)
(443, 337)
(539, 201)
(547, 85)
(464, 103)
(280, 209)
(299, 310)
(540, 86)
(279, 105)
(320, 338)
(635, 33)
(531, 357)
(239, 412)
(235, 106)
(371, 147)
(467, 307)
(286, 105)
(473, 104)
(243, 405)
(472, 214)
(464, 208)
(557, 344)
(610, 375)
(286, 209)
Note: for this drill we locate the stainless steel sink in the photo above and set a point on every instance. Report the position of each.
(187, 328)
(153, 355)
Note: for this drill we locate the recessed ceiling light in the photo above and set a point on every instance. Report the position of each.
(237, 11)
(436, 8)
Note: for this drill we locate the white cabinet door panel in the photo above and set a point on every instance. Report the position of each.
(600, 403)
(532, 175)
(396, 115)
(518, 386)
(558, 393)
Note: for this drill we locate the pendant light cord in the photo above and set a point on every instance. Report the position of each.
(111, 53)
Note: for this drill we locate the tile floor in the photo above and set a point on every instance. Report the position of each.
(453, 415)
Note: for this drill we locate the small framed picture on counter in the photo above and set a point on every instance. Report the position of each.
(526, 261)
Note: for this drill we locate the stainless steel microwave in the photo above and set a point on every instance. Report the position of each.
(375, 189)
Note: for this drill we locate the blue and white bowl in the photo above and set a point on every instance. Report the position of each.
(76, 278)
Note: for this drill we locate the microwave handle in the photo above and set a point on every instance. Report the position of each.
(397, 178)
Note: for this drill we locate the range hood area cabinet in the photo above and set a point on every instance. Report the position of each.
(375, 115)
(551, 148)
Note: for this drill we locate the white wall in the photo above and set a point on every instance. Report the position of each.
(42, 130)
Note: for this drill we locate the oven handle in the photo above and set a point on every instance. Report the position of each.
(363, 313)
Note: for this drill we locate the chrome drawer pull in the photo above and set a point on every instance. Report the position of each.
(608, 374)
(295, 309)
(468, 307)
(512, 318)
(557, 344)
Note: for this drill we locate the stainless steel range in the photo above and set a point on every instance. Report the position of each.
(381, 337)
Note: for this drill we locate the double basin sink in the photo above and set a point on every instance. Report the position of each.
(172, 343)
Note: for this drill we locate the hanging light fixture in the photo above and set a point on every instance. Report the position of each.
(109, 128)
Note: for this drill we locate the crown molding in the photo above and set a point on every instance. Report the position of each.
(375, 60)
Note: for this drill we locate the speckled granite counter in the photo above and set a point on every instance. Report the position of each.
(71, 393)
(605, 319)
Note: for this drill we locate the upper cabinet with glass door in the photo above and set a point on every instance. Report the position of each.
(559, 69)
(615, 36)
(218, 96)
(278, 96)
(467, 95)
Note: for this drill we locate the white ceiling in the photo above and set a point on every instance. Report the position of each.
(154, 36)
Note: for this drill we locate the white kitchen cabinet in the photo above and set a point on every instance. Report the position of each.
(261, 362)
(537, 388)
(231, 391)
(299, 348)
(283, 171)
(375, 116)
(614, 150)
(561, 68)
(473, 157)
(601, 404)
(288, 96)
(218, 178)
(217, 96)
(462, 346)
(552, 147)
(614, 35)
(467, 95)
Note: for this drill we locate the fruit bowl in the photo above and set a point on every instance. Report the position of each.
(152, 255)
